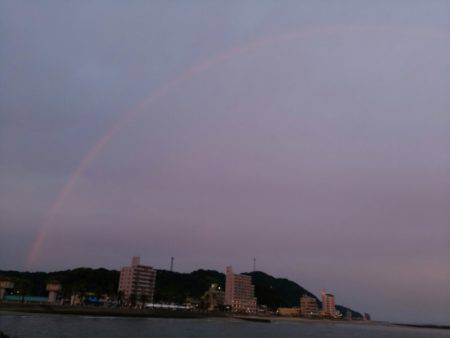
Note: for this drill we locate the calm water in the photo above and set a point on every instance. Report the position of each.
(49, 326)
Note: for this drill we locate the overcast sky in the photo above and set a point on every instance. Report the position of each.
(312, 135)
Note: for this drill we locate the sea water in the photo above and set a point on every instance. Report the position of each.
(61, 326)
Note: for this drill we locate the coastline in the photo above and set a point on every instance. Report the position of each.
(155, 313)
(423, 326)
(105, 312)
(159, 313)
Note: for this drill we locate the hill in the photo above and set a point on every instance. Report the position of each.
(277, 292)
(170, 286)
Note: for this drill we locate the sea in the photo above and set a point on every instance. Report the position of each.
(68, 326)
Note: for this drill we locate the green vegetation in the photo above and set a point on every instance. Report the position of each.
(97, 281)
(277, 292)
(176, 287)
(170, 286)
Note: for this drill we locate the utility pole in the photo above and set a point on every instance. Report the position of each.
(171, 264)
(254, 264)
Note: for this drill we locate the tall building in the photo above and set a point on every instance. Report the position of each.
(239, 292)
(137, 281)
(328, 305)
(308, 306)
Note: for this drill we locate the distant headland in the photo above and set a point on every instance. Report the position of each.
(199, 292)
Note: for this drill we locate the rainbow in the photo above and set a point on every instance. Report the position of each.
(185, 76)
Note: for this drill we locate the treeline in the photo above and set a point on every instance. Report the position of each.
(98, 281)
(170, 286)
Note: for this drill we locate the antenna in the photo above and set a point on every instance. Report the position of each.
(171, 264)
(254, 264)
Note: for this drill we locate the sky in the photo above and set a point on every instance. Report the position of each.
(312, 135)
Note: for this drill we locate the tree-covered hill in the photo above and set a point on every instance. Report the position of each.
(98, 281)
(170, 286)
(277, 292)
(176, 286)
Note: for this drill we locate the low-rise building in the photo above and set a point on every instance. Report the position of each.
(53, 289)
(308, 306)
(76, 299)
(5, 284)
(288, 311)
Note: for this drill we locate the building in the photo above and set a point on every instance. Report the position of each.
(192, 302)
(239, 292)
(308, 306)
(53, 289)
(5, 284)
(137, 282)
(76, 299)
(288, 311)
(25, 299)
(348, 315)
(213, 299)
(328, 305)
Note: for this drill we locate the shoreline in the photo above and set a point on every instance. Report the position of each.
(423, 326)
(104, 312)
(177, 314)
(155, 313)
